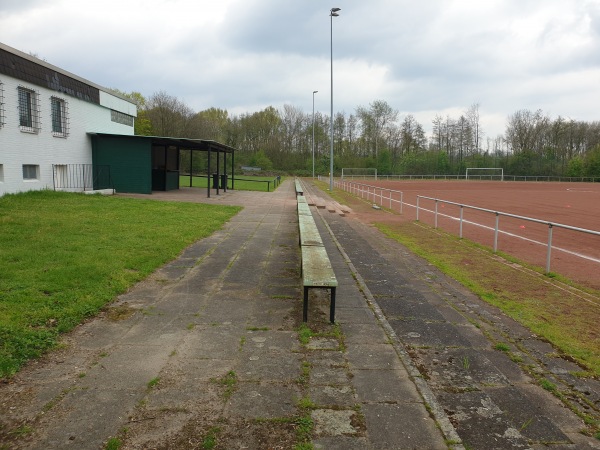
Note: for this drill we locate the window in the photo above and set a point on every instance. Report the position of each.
(31, 172)
(59, 117)
(29, 114)
(2, 119)
(119, 117)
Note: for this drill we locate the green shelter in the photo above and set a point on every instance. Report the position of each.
(142, 164)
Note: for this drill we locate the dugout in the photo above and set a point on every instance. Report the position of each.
(142, 164)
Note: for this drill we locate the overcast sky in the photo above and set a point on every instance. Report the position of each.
(423, 58)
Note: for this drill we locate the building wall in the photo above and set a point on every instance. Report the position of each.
(43, 148)
(130, 160)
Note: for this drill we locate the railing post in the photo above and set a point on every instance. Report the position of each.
(436, 214)
(460, 233)
(496, 232)
(418, 198)
(401, 202)
(549, 248)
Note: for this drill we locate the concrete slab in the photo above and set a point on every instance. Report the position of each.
(408, 425)
(263, 401)
(385, 386)
(333, 396)
(333, 422)
(373, 356)
(357, 333)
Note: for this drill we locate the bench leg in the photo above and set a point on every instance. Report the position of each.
(305, 308)
(332, 306)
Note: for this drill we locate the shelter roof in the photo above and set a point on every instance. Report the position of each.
(183, 143)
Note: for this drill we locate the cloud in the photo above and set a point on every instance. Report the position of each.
(423, 58)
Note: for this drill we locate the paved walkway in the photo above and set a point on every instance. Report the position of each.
(208, 350)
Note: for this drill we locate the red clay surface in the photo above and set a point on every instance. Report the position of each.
(574, 254)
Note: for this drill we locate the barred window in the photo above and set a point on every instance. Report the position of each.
(60, 123)
(119, 117)
(2, 118)
(29, 112)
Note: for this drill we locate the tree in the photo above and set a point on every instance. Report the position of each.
(211, 124)
(169, 116)
(591, 162)
(476, 133)
(413, 136)
(260, 159)
(374, 120)
(525, 129)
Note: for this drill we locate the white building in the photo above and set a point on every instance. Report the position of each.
(46, 114)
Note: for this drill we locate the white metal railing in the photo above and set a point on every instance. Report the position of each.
(374, 193)
(481, 177)
(499, 214)
(394, 200)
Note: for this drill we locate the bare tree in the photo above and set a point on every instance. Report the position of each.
(476, 133)
(169, 116)
(374, 120)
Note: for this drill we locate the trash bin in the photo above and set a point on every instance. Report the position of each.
(215, 181)
(224, 181)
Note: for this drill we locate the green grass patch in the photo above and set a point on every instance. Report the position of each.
(548, 385)
(304, 430)
(64, 256)
(210, 439)
(23, 430)
(305, 334)
(244, 183)
(533, 300)
(501, 346)
(113, 444)
(229, 382)
(153, 382)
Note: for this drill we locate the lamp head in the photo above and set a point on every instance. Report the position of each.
(334, 12)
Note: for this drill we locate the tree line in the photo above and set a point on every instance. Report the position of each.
(375, 136)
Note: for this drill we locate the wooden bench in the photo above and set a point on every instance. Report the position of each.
(299, 190)
(316, 266)
(317, 273)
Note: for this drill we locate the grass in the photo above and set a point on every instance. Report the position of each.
(229, 382)
(113, 444)
(549, 311)
(305, 334)
(501, 346)
(64, 256)
(210, 440)
(304, 429)
(153, 382)
(548, 385)
(259, 183)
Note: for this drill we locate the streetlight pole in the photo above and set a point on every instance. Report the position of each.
(332, 13)
(313, 139)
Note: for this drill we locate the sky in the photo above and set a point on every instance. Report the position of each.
(427, 58)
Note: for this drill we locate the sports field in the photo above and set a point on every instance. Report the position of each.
(574, 254)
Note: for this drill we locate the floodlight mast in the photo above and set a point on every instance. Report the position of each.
(332, 13)
(313, 136)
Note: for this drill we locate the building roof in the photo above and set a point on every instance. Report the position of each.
(20, 65)
(183, 143)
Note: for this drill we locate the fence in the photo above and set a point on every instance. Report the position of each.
(495, 177)
(394, 200)
(81, 177)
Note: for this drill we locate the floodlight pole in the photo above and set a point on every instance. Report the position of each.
(332, 13)
(313, 139)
